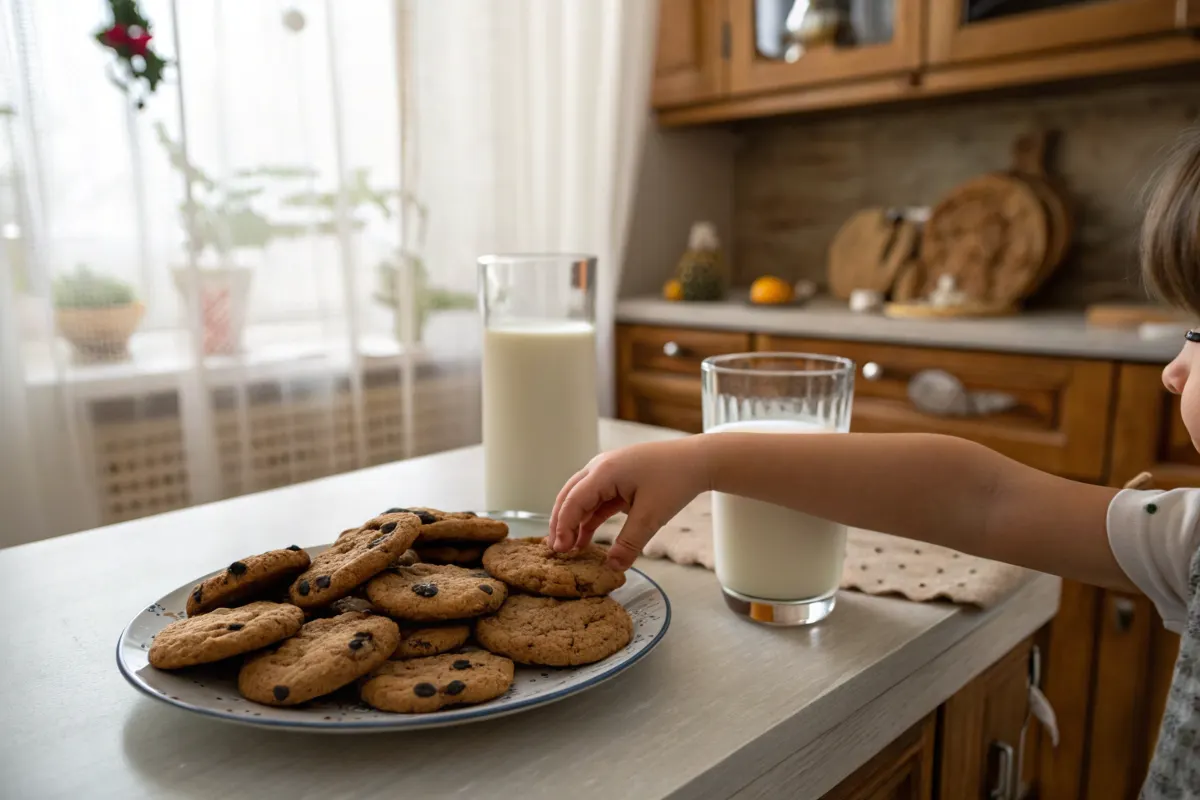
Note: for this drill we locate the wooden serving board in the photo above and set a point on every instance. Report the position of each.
(928, 311)
(1131, 315)
(868, 250)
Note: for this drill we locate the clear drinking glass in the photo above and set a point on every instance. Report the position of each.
(540, 413)
(776, 565)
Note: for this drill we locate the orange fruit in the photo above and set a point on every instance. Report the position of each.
(673, 290)
(769, 290)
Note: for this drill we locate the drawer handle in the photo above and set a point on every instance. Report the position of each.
(672, 350)
(1123, 609)
(1002, 789)
(935, 391)
(872, 371)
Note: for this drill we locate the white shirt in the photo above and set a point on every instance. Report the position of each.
(1154, 535)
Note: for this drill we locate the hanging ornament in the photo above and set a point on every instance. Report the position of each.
(139, 69)
(293, 20)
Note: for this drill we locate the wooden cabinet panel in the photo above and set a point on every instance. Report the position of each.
(981, 730)
(952, 40)
(658, 372)
(901, 771)
(1148, 432)
(689, 64)
(751, 73)
(1059, 424)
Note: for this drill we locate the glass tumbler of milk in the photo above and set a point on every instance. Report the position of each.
(776, 565)
(540, 413)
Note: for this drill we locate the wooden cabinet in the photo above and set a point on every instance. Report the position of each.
(1148, 432)
(690, 65)
(904, 770)
(954, 39)
(896, 52)
(985, 728)
(1059, 422)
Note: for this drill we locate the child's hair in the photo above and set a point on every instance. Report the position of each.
(1170, 245)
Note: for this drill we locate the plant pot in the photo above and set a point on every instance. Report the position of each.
(99, 334)
(221, 297)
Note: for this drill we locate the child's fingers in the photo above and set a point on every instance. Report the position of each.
(552, 537)
(582, 498)
(639, 528)
(602, 514)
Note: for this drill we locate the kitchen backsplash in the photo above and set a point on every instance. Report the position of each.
(796, 180)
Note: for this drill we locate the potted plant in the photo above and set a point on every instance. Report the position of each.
(97, 314)
(425, 298)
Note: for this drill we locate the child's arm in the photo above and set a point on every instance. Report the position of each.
(932, 488)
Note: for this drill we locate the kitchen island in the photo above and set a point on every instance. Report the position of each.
(723, 707)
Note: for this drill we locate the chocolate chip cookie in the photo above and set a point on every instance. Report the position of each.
(353, 559)
(556, 633)
(252, 578)
(420, 685)
(464, 554)
(530, 565)
(433, 592)
(324, 656)
(431, 640)
(223, 633)
(458, 526)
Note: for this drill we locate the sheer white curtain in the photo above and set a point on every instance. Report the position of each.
(288, 228)
(531, 116)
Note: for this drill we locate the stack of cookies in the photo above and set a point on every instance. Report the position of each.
(390, 605)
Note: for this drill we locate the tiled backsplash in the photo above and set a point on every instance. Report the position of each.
(796, 180)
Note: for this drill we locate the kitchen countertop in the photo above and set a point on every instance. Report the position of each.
(1056, 333)
(722, 708)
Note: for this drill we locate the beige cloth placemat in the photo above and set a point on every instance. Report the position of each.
(876, 563)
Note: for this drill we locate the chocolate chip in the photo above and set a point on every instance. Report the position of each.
(383, 537)
(424, 690)
(455, 687)
(237, 568)
(462, 663)
(303, 588)
(425, 517)
(356, 644)
(362, 634)
(396, 511)
(420, 644)
(424, 589)
(294, 547)
(281, 693)
(485, 588)
(388, 527)
(322, 581)
(196, 595)
(236, 626)
(481, 575)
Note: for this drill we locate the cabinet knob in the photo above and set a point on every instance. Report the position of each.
(872, 371)
(1123, 609)
(672, 349)
(1002, 754)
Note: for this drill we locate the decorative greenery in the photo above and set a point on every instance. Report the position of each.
(86, 289)
(140, 69)
(426, 298)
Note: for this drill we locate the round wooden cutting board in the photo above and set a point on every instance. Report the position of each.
(868, 251)
(1030, 164)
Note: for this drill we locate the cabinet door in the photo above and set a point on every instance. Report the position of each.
(689, 65)
(901, 771)
(977, 30)
(981, 731)
(873, 40)
(1148, 432)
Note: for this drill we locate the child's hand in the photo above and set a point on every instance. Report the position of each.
(650, 482)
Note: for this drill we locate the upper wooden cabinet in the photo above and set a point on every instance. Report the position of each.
(958, 34)
(886, 40)
(689, 66)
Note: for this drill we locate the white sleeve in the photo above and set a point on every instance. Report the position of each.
(1153, 535)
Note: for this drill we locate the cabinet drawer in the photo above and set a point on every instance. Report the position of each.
(677, 350)
(1058, 422)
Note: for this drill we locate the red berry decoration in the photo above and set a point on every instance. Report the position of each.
(139, 68)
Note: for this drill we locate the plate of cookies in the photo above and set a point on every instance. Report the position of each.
(417, 618)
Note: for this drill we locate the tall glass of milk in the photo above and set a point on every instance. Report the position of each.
(776, 565)
(540, 412)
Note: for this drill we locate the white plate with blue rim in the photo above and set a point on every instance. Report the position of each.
(211, 690)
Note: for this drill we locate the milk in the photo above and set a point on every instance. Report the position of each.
(769, 552)
(540, 416)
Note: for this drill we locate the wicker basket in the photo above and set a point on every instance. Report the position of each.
(100, 334)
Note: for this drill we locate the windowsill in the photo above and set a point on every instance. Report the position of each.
(158, 359)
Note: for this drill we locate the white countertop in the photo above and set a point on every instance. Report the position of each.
(1057, 333)
(722, 708)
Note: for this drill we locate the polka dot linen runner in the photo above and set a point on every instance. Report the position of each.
(876, 563)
